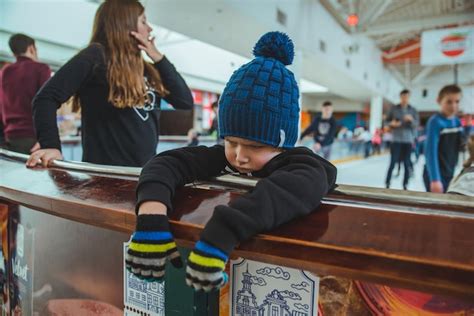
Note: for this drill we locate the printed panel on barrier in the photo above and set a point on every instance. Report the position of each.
(22, 263)
(4, 256)
(265, 289)
(142, 298)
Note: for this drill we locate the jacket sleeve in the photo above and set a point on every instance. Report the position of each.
(310, 128)
(44, 73)
(57, 90)
(167, 171)
(288, 193)
(389, 117)
(329, 137)
(431, 149)
(179, 95)
(2, 134)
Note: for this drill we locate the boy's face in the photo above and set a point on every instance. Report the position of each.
(404, 98)
(450, 103)
(248, 156)
(327, 111)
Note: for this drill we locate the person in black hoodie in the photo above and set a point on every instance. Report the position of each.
(258, 119)
(118, 92)
(323, 128)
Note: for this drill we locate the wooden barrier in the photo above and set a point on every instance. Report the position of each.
(417, 241)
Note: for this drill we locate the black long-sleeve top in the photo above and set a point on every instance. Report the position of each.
(324, 130)
(112, 136)
(292, 184)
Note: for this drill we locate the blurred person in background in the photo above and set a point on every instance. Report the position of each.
(119, 93)
(403, 121)
(444, 139)
(2, 135)
(419, 142)
(387, 138)
(193, 138)
(366, 139)
(214, 129)
(324, 130)
(377, 141)
(19, 83)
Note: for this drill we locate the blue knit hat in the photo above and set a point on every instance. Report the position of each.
(260, 101)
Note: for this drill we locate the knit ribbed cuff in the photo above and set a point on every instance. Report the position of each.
(152, 223)
(153, 192)
(218, 234)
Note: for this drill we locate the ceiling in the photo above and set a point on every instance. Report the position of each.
(396, 26)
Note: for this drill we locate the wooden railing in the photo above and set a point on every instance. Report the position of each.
(413, 240)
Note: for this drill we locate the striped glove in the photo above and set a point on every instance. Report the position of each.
(205, 270)
(152, 244)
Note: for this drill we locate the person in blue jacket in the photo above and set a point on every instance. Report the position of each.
(444, 140)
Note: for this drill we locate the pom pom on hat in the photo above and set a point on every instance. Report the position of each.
(260, 101)
(275, 45)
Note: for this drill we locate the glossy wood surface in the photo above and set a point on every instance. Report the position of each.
(402, 247)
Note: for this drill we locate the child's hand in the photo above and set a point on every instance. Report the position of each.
(205, 270)
(436, 187)
(152, 245)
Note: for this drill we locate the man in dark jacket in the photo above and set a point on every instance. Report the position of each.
(323, 128)
(19, 83)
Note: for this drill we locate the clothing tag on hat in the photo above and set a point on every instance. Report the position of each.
(282, 138)
(141, 298)
(258, 288)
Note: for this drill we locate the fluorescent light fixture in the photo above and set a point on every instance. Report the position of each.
(307, 86)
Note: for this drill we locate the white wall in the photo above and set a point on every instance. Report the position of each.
(435, 83)
(60, 28)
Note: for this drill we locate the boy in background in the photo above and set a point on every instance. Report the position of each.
(258, 119)
(323, 128)
(444, 139)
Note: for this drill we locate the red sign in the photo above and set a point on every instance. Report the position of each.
(454, 44)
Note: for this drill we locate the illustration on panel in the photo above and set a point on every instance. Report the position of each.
(142, 297)
(260, 289)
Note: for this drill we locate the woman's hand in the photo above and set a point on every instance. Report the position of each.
(148, 45)
(44, 157)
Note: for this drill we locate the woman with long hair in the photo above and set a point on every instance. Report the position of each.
(118, 92)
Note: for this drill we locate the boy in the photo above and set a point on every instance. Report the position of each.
(324, 128)
(258, 119)
(444, 138)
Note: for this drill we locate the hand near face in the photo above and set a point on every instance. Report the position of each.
(147, 45)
